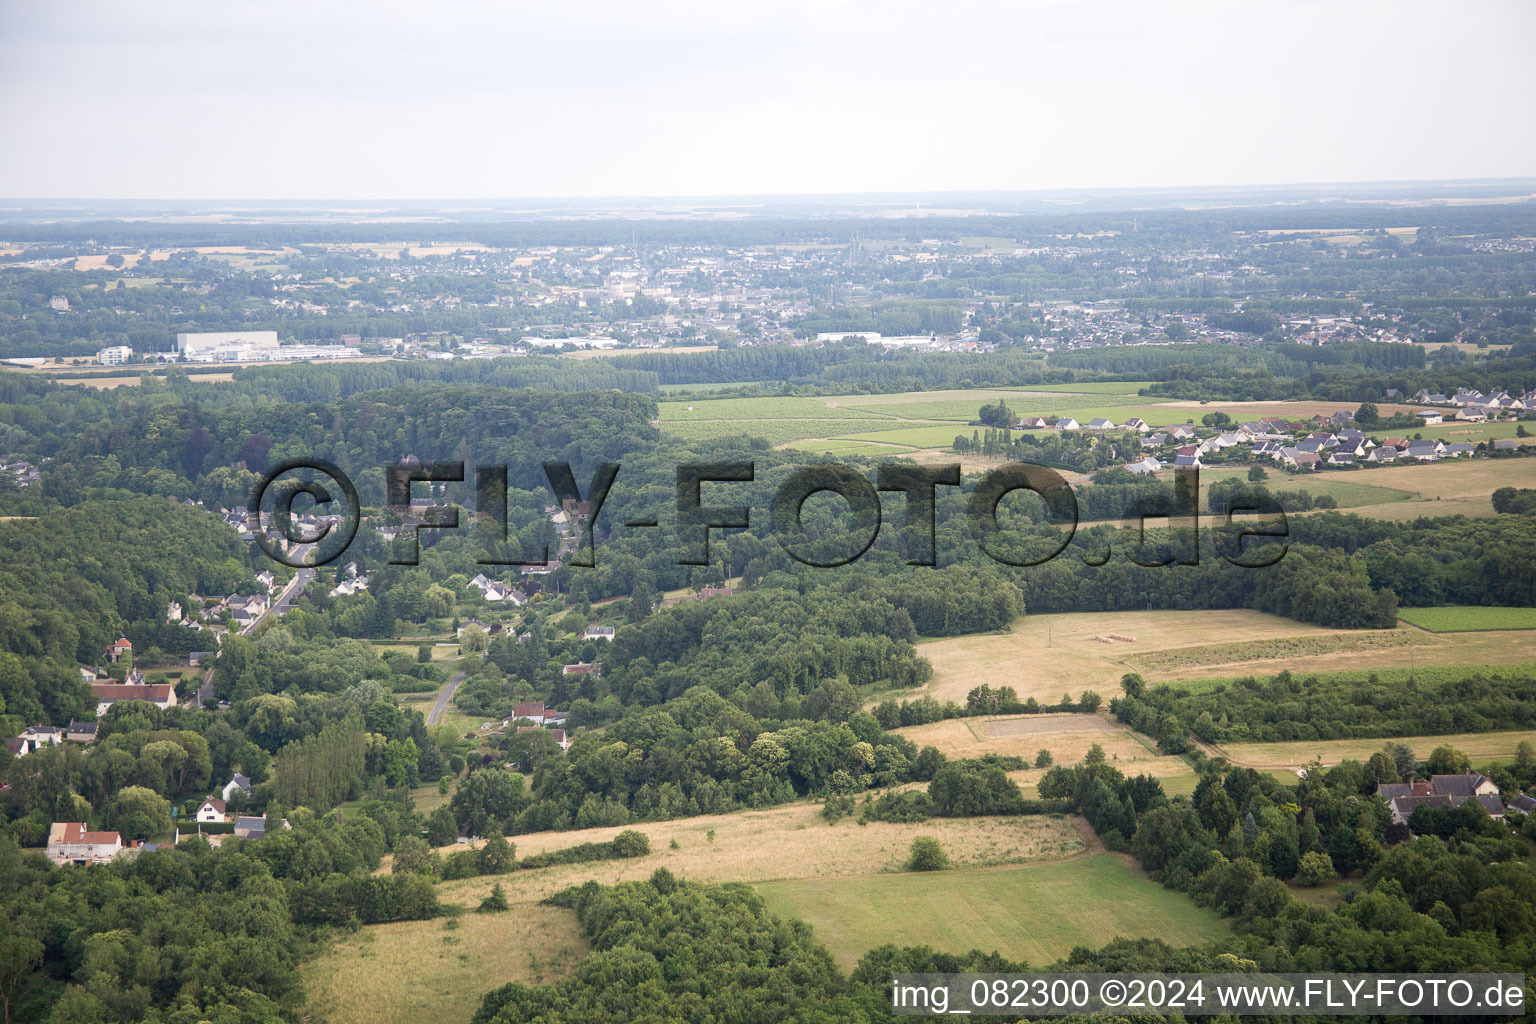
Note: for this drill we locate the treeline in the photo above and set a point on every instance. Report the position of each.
(696, 754)
(1286, 707)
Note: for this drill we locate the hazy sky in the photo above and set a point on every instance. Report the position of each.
(450, 98)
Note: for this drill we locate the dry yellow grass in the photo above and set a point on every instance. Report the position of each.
(420, 970)
(1444, 488)
(1047, 655)
(1480, 746)
(783, 842)
(1068, 737)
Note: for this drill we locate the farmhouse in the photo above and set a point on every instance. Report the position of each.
(161, 695)
(533, 711)
(70, 843)
(1440, 791)
(598, 633)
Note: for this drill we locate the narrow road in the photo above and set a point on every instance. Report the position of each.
(443, 698)
(278, 607)
(285, 599)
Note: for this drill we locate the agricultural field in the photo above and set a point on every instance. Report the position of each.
(1045, 656)
(1104, 387)
(1350, 490)
(1469, 618)
(1035, 913)
(1438, 488)
(1472, 433)
(1480, 747)
(1068, 737)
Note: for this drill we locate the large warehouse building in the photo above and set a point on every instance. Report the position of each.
(227, 346)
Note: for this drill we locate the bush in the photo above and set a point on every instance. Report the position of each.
(630, 843)
(897, 807)
(927, 855)
(495, 902)
(497, 856)
(1043, 759)
(1315, 869)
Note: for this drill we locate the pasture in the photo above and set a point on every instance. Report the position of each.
(1036, 913)
(1469, 618)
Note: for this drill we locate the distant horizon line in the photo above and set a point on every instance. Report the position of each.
(741, 197)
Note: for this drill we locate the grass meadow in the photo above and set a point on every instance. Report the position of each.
(1036, 913)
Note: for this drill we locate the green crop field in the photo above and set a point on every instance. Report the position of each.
(1468, 618)
(1350, 490)
(1035, 913)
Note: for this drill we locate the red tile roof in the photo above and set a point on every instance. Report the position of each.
(132, 691)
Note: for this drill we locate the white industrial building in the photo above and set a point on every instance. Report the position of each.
(252, 347)
(226, 346)
(114, 355)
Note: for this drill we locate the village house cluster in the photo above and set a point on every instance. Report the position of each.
(1448, 791)
(1330, 441)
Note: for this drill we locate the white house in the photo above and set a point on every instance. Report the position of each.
(70, 843)
(239, 782)
(211, 811)
(598, 633)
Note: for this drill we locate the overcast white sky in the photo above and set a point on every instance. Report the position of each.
(307, 99)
